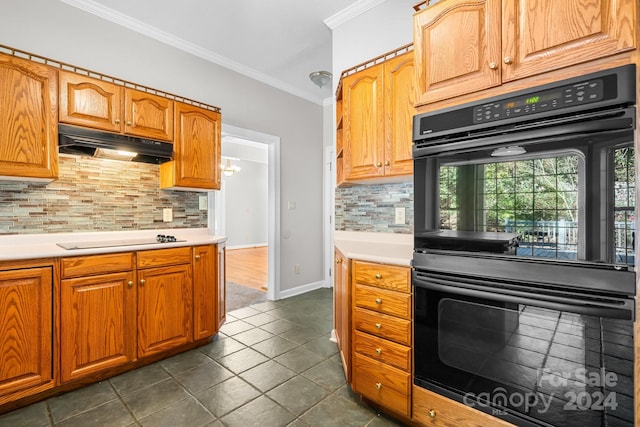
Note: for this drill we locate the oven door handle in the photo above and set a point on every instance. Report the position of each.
(619, 308)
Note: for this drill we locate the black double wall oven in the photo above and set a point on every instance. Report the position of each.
(524, 252)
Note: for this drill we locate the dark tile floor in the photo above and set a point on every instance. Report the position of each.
(272, 364)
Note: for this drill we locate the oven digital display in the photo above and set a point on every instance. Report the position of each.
(535, 99)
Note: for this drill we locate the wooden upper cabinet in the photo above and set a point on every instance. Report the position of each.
(147, 115)
(26, 331)
(363, 123)
(457, 48)
(90, 102)
(546, 35)
(28, 120)
(464, 46)
(196, 150)
(399, 100)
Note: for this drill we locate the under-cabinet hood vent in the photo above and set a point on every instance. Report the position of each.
(95, 143)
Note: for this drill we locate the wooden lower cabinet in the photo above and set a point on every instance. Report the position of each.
(383, 384)
(26, 331)
(342, 311)
(431, 409)
(204, 294)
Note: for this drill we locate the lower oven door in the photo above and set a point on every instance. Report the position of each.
(532, 357)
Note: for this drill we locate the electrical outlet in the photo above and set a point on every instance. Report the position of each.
(296, 268)
(202, 203)
(291, 205)
(167, 214)
(400, 217)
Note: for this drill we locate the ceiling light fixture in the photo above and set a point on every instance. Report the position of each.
(228, 169)
(512, 150)
(320, 78)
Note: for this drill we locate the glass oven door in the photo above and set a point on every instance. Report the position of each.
(530, 356)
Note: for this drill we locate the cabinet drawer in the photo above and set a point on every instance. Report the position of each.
(390, 387)
(383, 350)
(164, 257)
(96, 264)
(382, 325)
(383, 301)
(431, 409)
(382, 276)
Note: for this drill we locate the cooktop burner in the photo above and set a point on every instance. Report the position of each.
(160, 238)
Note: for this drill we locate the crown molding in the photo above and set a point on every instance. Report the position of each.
(351, 12)
(138, 26)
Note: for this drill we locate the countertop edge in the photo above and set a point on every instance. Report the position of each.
(390, 249)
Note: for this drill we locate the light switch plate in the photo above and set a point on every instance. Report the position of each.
(400, 216)
(167, 214)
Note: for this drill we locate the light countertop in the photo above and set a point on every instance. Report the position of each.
(32, 246)
(386, 248)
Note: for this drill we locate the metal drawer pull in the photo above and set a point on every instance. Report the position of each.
(432, 413)
(378, 276)
(130, 284)
(378, 300)
(378, 350)
(378, 386)
(378, 325)
(142, 282)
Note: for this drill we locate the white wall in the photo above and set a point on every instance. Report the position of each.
(246, 205)
(56, 30)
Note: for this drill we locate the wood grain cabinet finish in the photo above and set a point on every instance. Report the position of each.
(28, 120)
(381, 321)
(377, 111)
(196, 151)
(342, 311)
(205, 289)
(463, 46)
(221, 293)
(100, 104)
(165, 302)
(26, 331)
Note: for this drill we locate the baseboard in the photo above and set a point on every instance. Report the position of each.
(299, 290)
(251, 245)
(333, 338)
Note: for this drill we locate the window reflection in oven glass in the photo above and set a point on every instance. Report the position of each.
(560, 360)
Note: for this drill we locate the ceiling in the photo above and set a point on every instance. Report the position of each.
(278, 42)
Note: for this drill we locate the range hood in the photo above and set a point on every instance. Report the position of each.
(95, 143)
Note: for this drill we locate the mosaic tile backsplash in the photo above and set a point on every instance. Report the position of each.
(372, 208)
(96, 195)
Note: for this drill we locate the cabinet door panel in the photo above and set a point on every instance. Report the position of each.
(399, 100)
(164, 308)
(98, 323)
(148, 115)
(363, 124)
(342, 310)
(457, 48)
(546, 35)
(26, 334)
(28, 119)
(205, 276)
(90, 102)
(221, 280)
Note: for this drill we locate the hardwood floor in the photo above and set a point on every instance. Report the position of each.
(248, 267)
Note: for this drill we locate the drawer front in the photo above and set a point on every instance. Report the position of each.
(96, 264)
(164, 257)
(382, 325)
(382, 276)
(382, 350)
(383, 301)
(382, 384)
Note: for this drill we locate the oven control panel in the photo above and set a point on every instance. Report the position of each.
(552, 99)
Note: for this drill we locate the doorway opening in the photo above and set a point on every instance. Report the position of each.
(246, 209)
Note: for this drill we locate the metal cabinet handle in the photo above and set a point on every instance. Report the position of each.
(378, 386)
(339, 261)
(493, 65)
(130, 283)
(378, 351)
(197, 257)
(387, 163)
(378, 300)
(117, 121)
(432, 413)
(378, 325)
(378, 165)
(378, 276)
(508, 60)
(128, 123)
(142, 282)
